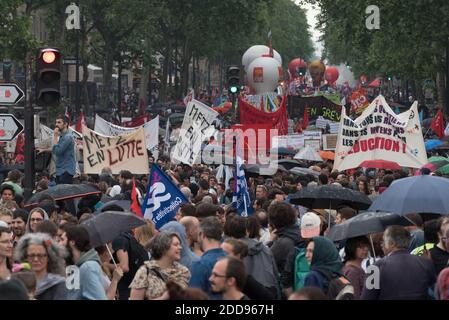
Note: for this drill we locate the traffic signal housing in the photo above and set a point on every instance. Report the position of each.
(233, 76)
(48, 77)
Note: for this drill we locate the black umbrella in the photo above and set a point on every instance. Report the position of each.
(64, 192)
(282, 151)
(108, 225)
(125, 204)
(254, 170)
(330, 196)
(366, 223)
(289, 164)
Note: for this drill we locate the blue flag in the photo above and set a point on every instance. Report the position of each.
(163, 198)
(240, 197)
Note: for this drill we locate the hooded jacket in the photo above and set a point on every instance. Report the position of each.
(187, 255)
(90, 275)
(51, 287)
(288, 238)
(28, 226)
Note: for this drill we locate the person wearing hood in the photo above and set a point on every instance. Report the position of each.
(36, 216)
(46, 260)
(285, 232)
(87, 284)
(325, 263)
(187, 255)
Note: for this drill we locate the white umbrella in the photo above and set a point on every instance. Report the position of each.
(308, 153)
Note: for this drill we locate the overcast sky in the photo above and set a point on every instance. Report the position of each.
(312, 12)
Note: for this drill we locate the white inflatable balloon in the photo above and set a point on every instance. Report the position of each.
(263, 74)
(258, 51)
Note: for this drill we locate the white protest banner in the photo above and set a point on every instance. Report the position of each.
(123, 152)
(380, 134)
(109, 129)
(196, 127)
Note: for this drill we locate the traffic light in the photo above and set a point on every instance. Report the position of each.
(48, 76)
(233, 76)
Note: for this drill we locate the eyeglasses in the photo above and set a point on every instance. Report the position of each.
(36, 219)
(39, 256)
(216, 275)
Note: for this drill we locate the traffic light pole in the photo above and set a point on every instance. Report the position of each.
(77, 72)
(29, 132)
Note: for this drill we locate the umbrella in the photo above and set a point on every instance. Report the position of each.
(125, 204)
(108, 225)
(380, 164)
(262, 170)
(327, 155)
(436, 165)
(287, 164)
(283, 151)
(366, 223)
(432, 144)
(309, 154)
(436, 158)
(304, 171)
(330, 196)
(418, 194)
(64, 192)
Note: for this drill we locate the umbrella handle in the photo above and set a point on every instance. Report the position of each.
(110, 253)
(372, 246)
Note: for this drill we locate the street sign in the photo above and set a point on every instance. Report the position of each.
(10, 127)
(70, 61)
(10, 94)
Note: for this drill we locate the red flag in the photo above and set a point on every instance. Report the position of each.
(80, 122)
(67, 114)
(437, 124)
(135, 207)
(305, 120)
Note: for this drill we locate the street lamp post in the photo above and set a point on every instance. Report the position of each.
(73, 23)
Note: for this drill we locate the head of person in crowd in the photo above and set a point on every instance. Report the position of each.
(78, 243)
(192, 227)
(323, 179)
(12, 289)
(261, 192)
(281, 215)
(42, 253)
(48, 227)
(210, 233)
(6, 247)
(11, 204)
(204, 210)
(62, 123)
(431, 231)
(362, 185)
(323, 257)
(356, 249)
(253, 227)
(177, 292)
(228, 278)
(50, 207)
(235, 226)
(36, 216)
(417, 221)
(262, 216)
(308, 293)
(277, 195)
(443, 227)
(19, 222)
(124, 176)
(145, 233)
(395, 238)
(166, 245)
(7, 192)
(67, 218)
(15, 176)
(343, 214)
(186, 192)
(235, 248)
(28, 279)
(6, 215)
(310, 225)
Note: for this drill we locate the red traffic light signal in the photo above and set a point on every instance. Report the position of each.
(48, 72)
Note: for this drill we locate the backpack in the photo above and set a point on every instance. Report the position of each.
(340, 289)
(301, 269)
(137, 255)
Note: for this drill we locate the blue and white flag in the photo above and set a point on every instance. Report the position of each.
(240, 197)
(163, 198)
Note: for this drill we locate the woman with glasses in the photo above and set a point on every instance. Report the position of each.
(45, 257)
(36, 216)
(5, 252)
(150, 280)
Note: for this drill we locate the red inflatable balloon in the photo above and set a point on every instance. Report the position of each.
(331, 75)
(297, 68)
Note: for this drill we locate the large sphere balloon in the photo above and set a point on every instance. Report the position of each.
(263, 74)
(297, 68)
(317, 69)
(258, 51)
(331, 75)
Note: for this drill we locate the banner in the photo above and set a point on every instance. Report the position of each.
(330, 141)
(316, 106)
(251, 115)
(123, 152)
(163, 198)
(380, 134)
(135, 122)
(359, 101)
(196, 127)
(151, 129)
(240, 196)
(295, 141)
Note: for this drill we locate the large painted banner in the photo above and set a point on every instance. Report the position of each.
(196, 127)
(380, 134)
(123, 152)
(317, 106)
(151, 129)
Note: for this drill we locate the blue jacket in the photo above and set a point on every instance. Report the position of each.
(202, 269)
(90, 275)
(65, 154)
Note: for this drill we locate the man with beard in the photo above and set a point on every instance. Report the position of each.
(20, 217)
(64, 150)
(228, 278)
(87, 283)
